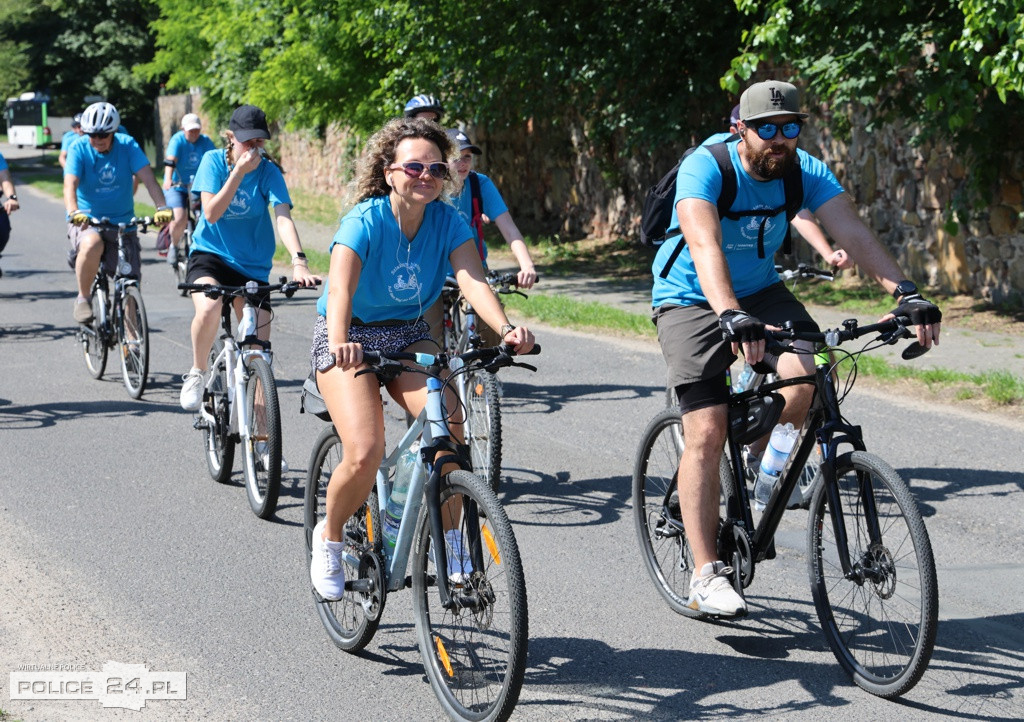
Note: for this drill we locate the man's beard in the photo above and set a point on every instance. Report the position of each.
(770, 168)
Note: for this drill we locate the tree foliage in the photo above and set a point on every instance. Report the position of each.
(639, 72)
(72, 49)
(955, 69)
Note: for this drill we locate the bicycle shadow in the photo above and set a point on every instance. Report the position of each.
(520, 397)
(34, 332)
(956, 482)
(559, 500)
(33, 296)
(41, 416)
(966, 669)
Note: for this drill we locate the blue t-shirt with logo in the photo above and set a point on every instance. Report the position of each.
(700, 177)
(244, 236)
(399, 280)
(105, 179)
(187, 156)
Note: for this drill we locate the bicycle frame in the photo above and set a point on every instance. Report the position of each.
(236, 360)
(431, 427)
(830, 431)
(109, 323)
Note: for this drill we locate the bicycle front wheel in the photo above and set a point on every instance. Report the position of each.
(133, 335)
(262, 452)
(483, 426)
(94, 342)
(475, 652)
(880, 619)
(656, 513)
(351, 621)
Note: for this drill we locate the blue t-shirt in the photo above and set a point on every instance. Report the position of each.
(700, 177)
(399, 279)
(67, 139)
(187, 156)
(105, 179)
(3, 162)
(492, 203)
(244, 236)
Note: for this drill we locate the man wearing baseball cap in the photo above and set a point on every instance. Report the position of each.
(181, 159)
(718, 279)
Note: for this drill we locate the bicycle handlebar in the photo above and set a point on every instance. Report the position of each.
(804, 270)
(216, 290)
(890, 332)
(105, 224)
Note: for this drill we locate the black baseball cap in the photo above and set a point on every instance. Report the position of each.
(249, 123)
(460, 139)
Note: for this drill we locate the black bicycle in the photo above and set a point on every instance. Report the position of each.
(870, 560)
(119, 318)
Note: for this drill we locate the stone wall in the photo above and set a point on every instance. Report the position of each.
(551, 178)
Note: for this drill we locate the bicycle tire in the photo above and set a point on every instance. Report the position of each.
(474, 654)
(882, 631)
(94, 341)
(659, 526)
(482, 429)
(218, 443)
(133, 338)
(351, 621)
(261, 453)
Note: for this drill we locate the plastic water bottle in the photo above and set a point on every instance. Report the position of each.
(780, 446)
(744, 379)
(404, 469)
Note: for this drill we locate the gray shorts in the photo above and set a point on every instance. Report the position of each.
(132, 249)
(385, 338)
(691, 339)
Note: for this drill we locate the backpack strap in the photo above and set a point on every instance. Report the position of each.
(477, 220)
(793, 187)
(720, 152)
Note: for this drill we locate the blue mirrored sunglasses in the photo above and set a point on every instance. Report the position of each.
(767, 131)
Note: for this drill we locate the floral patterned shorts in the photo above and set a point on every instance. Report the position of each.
(386, 339)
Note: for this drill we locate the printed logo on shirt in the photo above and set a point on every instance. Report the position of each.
(748, 228)
(240, 204)
(107, 174)
(406, 286)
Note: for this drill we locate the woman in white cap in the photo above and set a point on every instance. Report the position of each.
(181, 161)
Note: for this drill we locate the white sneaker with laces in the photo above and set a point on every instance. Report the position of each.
(192, 390)
(713, 593)
(460, 562)
(325, 569)
(263, 454)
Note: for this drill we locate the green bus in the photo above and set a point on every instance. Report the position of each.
(29, 124)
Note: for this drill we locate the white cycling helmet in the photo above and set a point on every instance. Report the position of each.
(100, 118)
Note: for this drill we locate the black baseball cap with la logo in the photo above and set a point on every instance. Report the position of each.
(248, 123)
(768, 98)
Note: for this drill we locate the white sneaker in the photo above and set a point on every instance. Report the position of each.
(712, 592)
(460, 562)
(172, 254)
(325, 570)
(192, 390)
(263, 454)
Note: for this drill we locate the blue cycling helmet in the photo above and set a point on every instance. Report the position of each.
(424, 104)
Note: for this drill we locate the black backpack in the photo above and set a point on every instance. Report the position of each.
(657, 211)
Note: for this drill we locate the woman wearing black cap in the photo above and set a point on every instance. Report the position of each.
(234, 238)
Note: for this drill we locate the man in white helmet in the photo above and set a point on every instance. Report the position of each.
(98, 184)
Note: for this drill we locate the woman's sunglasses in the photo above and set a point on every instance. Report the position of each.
(99, 136)
(414, 169)
(767, 131)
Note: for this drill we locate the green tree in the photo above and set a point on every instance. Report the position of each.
(955, 70)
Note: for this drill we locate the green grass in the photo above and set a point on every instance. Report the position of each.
(567, 312)
(320, 208)
(319, 261)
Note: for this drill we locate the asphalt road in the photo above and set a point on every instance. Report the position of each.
(115, 545)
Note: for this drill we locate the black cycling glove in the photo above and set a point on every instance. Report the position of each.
(740, 326)
(918, 310)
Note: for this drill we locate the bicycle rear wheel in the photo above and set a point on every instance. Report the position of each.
(483, 425)
(656, 514)
(880, 622)
(261, 455)
(217, 440)
(94, 341)
(133, 336)
(474, 653)
(351, 621)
